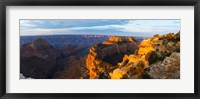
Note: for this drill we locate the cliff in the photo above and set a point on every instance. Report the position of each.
(123, 58)
(151, 58)
(117, 39)
(103, 58)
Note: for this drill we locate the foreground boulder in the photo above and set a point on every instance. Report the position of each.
(169, 68)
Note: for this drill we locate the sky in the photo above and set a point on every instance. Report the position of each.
(144, 28)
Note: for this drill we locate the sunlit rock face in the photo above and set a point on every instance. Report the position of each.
(103, 58)
(133, 65)
(116, 39)
(150, 58)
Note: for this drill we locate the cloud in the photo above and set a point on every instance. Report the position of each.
(151, 26)
(26, 23)
(61, 23)
(43, 31)
(111, 27)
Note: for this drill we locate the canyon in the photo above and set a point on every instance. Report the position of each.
(100, 57)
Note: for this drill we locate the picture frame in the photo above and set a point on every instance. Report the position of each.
(3, 83)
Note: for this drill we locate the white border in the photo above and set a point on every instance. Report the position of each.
(183, 85)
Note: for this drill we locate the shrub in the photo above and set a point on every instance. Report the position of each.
(153, 57)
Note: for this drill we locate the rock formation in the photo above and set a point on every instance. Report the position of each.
(157, 57)
(56, 56)
(37, 59)
(38, 48)
(103, 57)
(74, 69)
(151, 51)
(118, 57)
(116, 39)
(169, 68)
